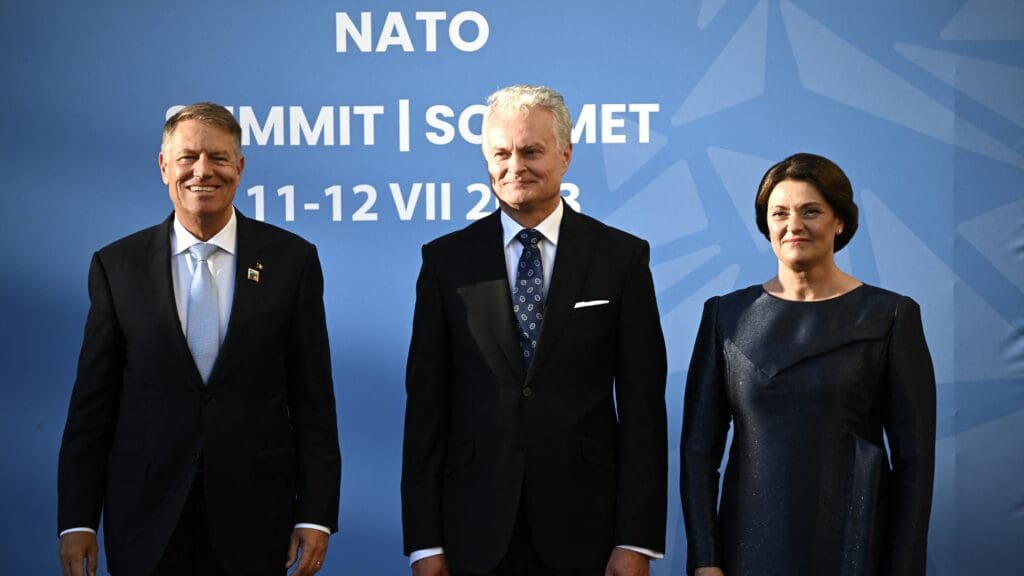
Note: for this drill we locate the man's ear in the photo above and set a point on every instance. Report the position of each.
(162, 162)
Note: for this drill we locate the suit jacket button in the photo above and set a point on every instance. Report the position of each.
(527, 391)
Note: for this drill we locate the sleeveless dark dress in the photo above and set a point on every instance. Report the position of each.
(809, 388)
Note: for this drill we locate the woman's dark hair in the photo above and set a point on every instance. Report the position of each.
(825, 176)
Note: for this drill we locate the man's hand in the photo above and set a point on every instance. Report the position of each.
(627, 563)
(74, 546)
(313, 543)
(430, 566)
(709, 571)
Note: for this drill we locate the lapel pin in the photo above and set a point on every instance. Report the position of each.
(254, 275)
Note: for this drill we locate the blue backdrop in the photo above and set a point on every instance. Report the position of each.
(361, 134)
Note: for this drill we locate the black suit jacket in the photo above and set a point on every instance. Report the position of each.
(140, 419)
(581, 435)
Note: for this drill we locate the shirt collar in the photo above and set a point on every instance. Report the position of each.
(548, 227)
(182, 239)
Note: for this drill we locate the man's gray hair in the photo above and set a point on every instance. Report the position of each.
(523, 97)
(207, 113)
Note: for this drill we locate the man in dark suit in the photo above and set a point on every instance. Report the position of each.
(535, 426)
(202, 422)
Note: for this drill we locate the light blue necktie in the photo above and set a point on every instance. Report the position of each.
(528, 293)
(202, 330)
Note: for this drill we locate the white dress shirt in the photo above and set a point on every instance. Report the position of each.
(221, 263)
(549, 228)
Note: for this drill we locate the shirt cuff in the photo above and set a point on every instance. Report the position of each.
(324, 529)
(425, 553)
(80, 529)
(649, 553)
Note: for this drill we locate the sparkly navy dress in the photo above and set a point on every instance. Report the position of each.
(809, 388)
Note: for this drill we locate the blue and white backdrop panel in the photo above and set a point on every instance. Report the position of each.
(361, 127)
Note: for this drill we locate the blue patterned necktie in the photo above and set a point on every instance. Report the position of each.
(202, 327)
(528, 293)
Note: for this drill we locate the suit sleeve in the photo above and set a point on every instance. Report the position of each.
(311, 403)
(910, 427)
(427, 413)
(705, 426)
(640, 398)
(93, 410)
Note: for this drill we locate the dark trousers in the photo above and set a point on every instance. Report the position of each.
(522, 559)
(190, 550)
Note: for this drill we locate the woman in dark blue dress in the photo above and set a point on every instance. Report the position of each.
(812, 369)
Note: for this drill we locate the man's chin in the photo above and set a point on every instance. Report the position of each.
(516, 198)
(207, 213)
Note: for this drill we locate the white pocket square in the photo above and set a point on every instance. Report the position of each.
(588, 303)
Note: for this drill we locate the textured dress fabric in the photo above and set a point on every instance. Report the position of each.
(813, 391)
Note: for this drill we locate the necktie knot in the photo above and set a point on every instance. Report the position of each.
(529, 237)
(202, 251)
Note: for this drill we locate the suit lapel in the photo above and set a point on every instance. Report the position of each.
(572, 260)
(160, 281)
(489, 302)
(248, 254)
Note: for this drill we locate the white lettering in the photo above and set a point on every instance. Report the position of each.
(394, 33)
(368, 113)
(446, 200)
(464, 119)
(586, 122)
(483, 31)
(344, 28)
(344, 126)
(403, 125)
(273, 127)
(405, 207)
(595, 123)
(299, 126)
(643, 120)
(446, 133)
(609, 123)
(430, 20)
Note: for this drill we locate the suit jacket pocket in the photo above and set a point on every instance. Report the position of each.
(592, 321)
(274, 462)
(458, 458)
